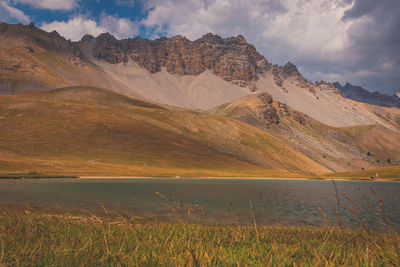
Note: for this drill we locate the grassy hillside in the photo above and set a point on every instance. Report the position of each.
(387, 173)
(26, 65)
(339, 149)
(380, 144)
(92, 131)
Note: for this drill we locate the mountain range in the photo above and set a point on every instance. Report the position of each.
(360, 94)
(171, 106)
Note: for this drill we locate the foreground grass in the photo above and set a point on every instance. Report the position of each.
(62, 240)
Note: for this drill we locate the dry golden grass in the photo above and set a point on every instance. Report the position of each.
(91, 131)
(35, 239)
(386, 173)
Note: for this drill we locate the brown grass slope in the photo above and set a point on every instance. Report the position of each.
(38, 60)
(382, 144)
(339, 149)
(387, 173)
(92, 131)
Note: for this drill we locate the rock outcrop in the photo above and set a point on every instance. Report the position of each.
(267, 112)
(232, 59)
(290, 70)
(284, 110)
(271, 113)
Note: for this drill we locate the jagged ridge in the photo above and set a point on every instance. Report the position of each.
(232, 59)
(360, 94)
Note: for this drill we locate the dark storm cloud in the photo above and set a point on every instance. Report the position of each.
(376, 44)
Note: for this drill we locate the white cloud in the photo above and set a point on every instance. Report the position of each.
(12, 14)
(50, 4)
(77, 27)
(119, 27)
(283, 29)
(74, 28)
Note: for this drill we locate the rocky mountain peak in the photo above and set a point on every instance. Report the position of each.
(241, 39)
(232, 59)
(290, 70)
(55, 33)
(106, 37)
(87, 38)
(211, 38)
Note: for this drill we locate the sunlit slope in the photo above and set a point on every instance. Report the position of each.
(339, 149)
(25, 67)
(390, 173)
(91, 131)
(379, 143)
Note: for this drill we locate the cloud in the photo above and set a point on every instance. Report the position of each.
(50, 4)
(357, 40)
(130, 3)
(119, 27)
(76, 27)
(302, 27)
(12, 14)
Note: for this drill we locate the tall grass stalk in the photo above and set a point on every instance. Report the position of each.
(64, 240)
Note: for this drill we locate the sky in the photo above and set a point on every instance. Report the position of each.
(355, 41)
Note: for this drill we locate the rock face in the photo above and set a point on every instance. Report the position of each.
(295, 115)
(360, 94)
(270, 113)
(290, 70)
(232, 59)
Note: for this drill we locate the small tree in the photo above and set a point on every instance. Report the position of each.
(369, 154)
(389, 161)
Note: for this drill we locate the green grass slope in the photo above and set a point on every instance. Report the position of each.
(92, 131)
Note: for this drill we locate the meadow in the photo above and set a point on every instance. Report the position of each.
(38, 239)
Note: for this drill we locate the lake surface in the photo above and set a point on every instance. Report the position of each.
(291, 202)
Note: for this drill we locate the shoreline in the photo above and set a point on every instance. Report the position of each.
(99, 177)
(205, 178)
(234, 178)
